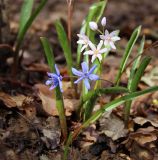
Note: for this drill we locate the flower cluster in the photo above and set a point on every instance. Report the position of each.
(55, 79)
(106, 43)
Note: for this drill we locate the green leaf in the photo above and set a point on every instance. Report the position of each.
(62, 36)
(136, 62)
(128, 50)
(91, 97)
(113, 104)
(25, 27)
(134, 84)
(66, 148)
(139, 73)
(59, 98)
(25, 13)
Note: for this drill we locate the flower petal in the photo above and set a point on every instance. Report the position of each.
(52, 75)
(103, 21)
(102, 37)
(93, 58)
(57, 70)
(76, 72)
(92, 69)
(106, 43)
(93, 77)
(52, 87)
(103, 50)
(99, 45)
(106, 32)
(112, 45)
(84, 67)
(90, 52)
(92, 46)
(99, 57)
(78, 80)
(48, 82)
(83, 47)
(93, 26)
(114, 33)
(81, 41)
(115, 38)
(86, 82)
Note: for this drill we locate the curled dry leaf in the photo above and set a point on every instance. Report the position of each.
(141, 121)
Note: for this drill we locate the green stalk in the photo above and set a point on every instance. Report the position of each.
(59, 98)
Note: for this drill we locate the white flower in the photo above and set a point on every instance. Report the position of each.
(96, 51)
(110, 38)
(93, 26)
(84, 40)
(103, 21)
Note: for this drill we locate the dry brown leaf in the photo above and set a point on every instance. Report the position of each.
(14, 101)
(112, 126)
(142, 121)
(49, 103)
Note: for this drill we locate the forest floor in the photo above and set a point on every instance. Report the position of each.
(29, 124)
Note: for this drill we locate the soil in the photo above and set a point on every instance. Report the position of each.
(29, 124)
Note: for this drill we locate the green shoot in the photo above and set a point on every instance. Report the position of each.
(25, 23)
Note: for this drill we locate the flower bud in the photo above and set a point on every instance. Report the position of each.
(93, 26)
(103, 21)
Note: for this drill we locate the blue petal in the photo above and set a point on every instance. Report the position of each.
(78, 80)
(92, 69)
(76, 72)
(52, 75)
(52, 87)
(57, 70)
(48, 82)
(84, 67)
(86, 82)
(93, 77)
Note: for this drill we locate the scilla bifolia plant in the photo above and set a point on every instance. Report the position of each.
(96, 50)
(26, 19)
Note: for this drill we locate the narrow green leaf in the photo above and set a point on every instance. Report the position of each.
(134, 84)
(139, 73)
(136, 62)
(62, 36)
(66, 148)
(24, 29)
(25, 13)
(128, 50)
(59, 98)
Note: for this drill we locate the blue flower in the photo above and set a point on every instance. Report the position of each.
(86, 74)
(55, 79)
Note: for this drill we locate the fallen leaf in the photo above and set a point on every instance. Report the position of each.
(112, 126)
(141, 121)
(49, 103)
